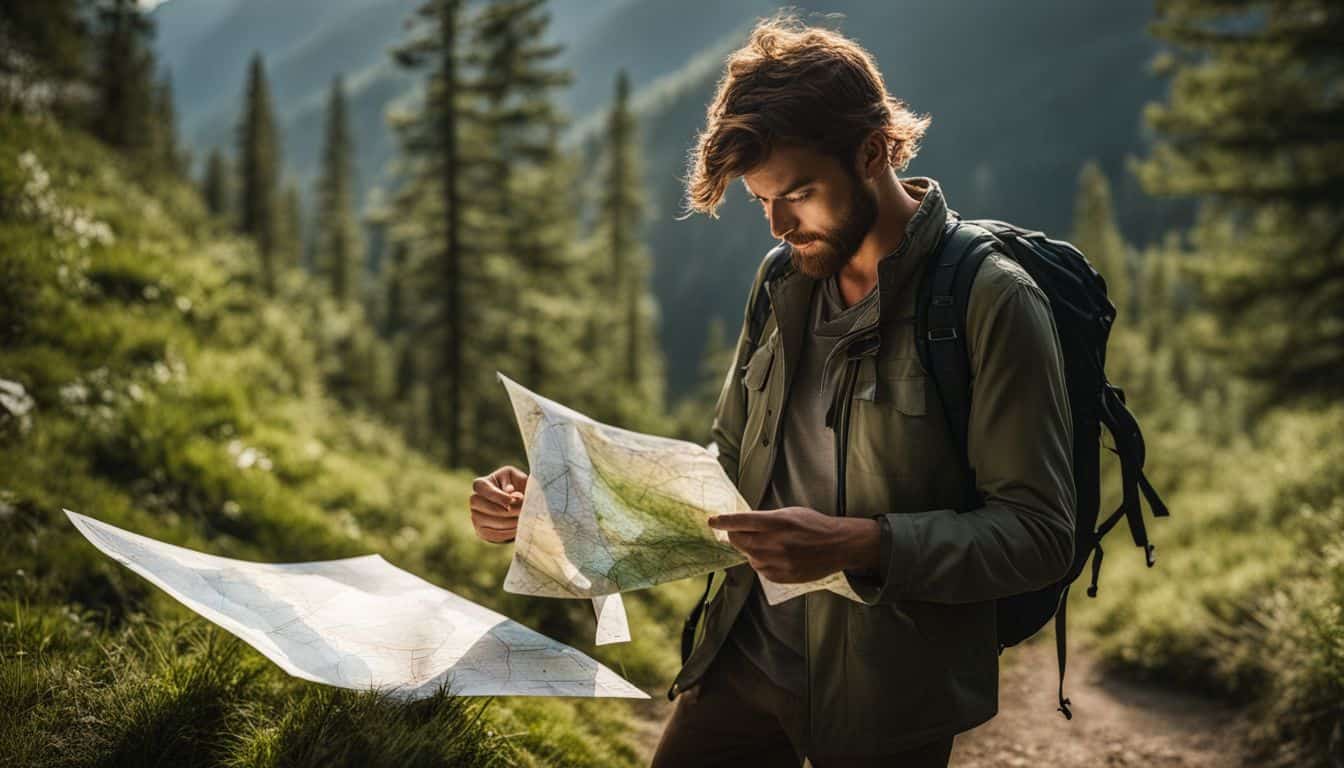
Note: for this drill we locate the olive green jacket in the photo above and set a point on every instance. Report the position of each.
(919, 658)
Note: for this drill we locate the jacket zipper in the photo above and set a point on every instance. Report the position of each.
(844, 395)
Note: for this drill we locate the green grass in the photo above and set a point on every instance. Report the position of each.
(174, 400)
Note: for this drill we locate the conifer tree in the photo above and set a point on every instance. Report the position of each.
(393, 277)
(1253, 127)
(620, 225)
(338, 241)
(289, 228)
(170, 155)
(215, 184)
(259, 170)
(520, 124)
(123, 77)
(431, 199)
(1097, 236)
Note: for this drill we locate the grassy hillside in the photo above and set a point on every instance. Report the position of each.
(163, 394)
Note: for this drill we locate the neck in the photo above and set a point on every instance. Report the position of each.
(895, 207)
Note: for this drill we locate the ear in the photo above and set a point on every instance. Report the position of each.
(872, 155)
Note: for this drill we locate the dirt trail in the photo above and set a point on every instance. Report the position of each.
(1115, 723)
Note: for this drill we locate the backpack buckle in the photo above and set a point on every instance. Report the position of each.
(942, 334)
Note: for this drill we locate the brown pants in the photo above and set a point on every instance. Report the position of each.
(736, 716)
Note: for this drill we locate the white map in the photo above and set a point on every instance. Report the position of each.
(607, 510)
(362, 623)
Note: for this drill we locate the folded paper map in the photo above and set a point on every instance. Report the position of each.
(362, 623)
(607, 510)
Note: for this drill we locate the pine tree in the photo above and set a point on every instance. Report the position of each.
(1155, 302)
(289, 228)
(375, 222)
(393, 277)
(431, 200)
(1253, 127)
(620, 225)
(259, 170)
(1097, 236)
(338, 241)
(124, 77)
(170, 155)
(533, 222)
(215, 184)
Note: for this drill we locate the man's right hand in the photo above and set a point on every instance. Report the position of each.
(495, 502)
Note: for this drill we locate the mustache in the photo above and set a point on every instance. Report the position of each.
(803, 239)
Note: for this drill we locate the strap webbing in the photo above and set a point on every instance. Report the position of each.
(1061, 648)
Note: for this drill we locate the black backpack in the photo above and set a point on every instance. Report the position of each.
(1083, 317)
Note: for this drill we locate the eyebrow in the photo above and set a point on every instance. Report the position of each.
(794, 187)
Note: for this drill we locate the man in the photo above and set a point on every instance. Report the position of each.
(833, 430)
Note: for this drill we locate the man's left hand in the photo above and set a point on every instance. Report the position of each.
(796, 544)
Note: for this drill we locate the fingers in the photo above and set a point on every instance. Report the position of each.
(492, 523)
(486, 518)
(494, 537)
(495, 502)
(479, 503)
(510, 479)
(742, 521)
(485, 488)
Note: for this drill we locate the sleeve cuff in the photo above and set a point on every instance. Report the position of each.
(896, 556)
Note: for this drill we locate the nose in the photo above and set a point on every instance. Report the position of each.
(781, 221)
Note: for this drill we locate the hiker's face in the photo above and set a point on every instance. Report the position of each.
(815, 203)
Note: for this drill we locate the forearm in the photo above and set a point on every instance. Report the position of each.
(959, 557)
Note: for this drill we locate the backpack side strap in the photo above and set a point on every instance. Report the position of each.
(1129, 447)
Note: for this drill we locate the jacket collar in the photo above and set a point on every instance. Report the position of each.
(923, 233)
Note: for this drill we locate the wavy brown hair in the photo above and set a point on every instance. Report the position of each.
(795, 84)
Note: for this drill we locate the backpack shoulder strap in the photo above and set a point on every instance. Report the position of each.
(940, 332)
(775, 264)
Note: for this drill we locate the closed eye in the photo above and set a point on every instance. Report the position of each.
(797, 197)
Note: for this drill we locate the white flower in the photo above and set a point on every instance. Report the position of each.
(74, 393)
(247, 458)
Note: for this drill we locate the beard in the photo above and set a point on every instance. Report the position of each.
(823, 254)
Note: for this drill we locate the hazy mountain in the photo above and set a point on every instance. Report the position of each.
(1021, 96)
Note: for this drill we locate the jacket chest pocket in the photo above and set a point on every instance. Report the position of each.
(895, 430)
(760, 369)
